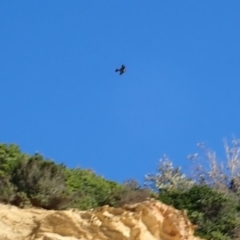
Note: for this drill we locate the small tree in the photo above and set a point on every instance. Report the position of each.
(167, 177)
(209, 170)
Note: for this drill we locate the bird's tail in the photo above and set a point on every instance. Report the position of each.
(116, 70)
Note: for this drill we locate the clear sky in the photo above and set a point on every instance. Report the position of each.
(60, 95)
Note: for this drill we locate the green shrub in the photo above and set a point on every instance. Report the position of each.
(7, 190)
(214, 212)
(42, 181)
(94, 190)
(9, 157)
(131, 192)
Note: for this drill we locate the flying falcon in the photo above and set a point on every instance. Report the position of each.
(121, 70)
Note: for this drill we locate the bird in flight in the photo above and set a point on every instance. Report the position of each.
(121, 70)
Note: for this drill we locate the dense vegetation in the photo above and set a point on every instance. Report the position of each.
(34, 181)
(210, 194)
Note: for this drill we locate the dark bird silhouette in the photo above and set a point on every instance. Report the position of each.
(121, 70)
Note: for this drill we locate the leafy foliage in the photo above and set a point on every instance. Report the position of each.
(212, 211)
(131, 192)
(34, 181)
(7, 189)
(94, 190)
(211, 194)
(168, 177)
(42, 181)
(9, 156)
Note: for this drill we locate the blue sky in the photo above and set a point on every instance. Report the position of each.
(60, 96)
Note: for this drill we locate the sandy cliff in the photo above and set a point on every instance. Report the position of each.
(149, 220)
